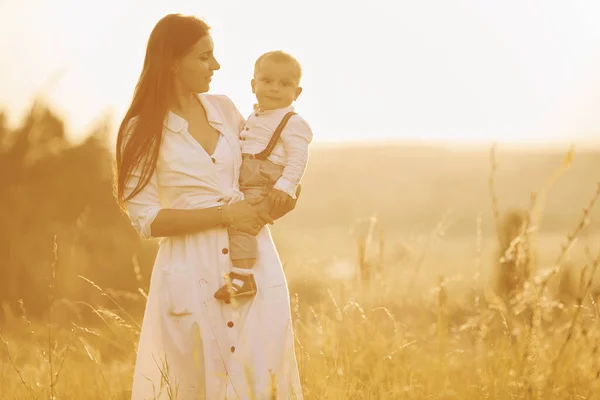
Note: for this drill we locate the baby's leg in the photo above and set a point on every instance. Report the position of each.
(255, 177)
(243, 245)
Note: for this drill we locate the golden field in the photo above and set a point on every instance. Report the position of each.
(391, 257)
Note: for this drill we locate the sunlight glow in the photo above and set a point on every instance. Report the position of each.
(463, 71)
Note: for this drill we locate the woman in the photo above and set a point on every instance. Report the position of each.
(178, 160)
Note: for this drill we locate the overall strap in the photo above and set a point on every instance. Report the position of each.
(265, 153)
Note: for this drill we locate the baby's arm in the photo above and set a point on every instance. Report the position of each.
(296, 138)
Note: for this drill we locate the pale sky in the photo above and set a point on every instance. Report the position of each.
(456, 70)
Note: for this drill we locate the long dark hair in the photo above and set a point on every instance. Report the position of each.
(140, 133)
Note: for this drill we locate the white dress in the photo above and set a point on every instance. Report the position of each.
(193, 346)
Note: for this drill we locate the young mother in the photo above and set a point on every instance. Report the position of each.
(178, 160)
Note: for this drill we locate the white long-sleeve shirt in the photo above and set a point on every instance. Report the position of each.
(291, 150)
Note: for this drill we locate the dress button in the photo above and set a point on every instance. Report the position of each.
(227, 301)
(232, 349)
(256, 115)
(247, 128)
(230, 324)
(225, 251)
(213, 160)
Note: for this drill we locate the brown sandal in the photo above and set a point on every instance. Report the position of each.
(232, 290)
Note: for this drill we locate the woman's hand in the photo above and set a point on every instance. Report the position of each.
(279, 211)
(278, 198)
(244, 217)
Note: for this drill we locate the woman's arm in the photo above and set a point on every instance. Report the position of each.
(150, 219)
(280, 210)
(240, 215)
(171, 222)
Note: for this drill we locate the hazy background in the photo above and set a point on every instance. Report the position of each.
(392, 254)
(470, 71)
(405, 99)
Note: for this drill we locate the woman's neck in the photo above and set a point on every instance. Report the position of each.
(182, 101)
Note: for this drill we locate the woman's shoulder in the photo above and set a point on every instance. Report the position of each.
(220, 101)
(223, 109)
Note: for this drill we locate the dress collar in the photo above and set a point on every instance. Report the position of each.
(176, 123)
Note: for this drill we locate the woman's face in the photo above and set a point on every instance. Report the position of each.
(194, 70)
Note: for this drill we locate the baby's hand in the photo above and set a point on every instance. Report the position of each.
(278, 197)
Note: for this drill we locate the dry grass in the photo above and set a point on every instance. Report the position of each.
(394, 316)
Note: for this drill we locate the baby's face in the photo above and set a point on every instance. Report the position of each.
(275, 84)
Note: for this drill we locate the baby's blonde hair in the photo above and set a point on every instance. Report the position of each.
(278, 55)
